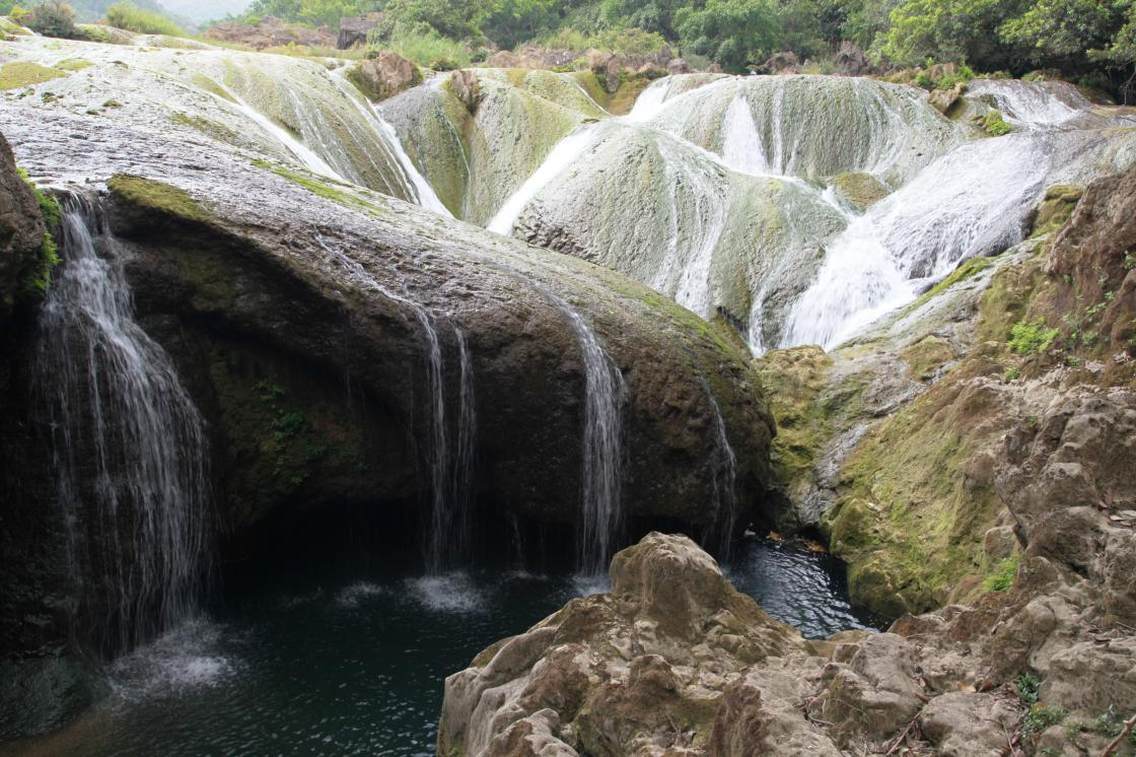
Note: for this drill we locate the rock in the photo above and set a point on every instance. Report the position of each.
(503, 59)
(629, 667)
(678, 66)
(851, 60)
(21, 233)
(353, 30)
(467, 87)
(946, 101)
(962, 724)
(1056, 209)
(385, 75)
(607, 68)
(860, 190)
(781, 63)
(999, 543)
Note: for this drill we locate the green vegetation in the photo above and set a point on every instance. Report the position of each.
(24, 74)
(157, 196)
(36, 280)
(1002, 579)
(428, 48)
(53, 18)
(132, 18)
(1029, 688)
(995, 125)
(1031, 338)
(1041, 717)
(1092, 40)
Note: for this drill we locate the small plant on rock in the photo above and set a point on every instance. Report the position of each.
(1040, 717)
(1028, 338)
(1029, 688)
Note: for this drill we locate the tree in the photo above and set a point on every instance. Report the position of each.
(1060, 32)
(511, 22)
(950, 30)
(53, 19)
(732, 33)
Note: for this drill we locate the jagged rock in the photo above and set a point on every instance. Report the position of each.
(353, 30)
(21, 231)
(962, 724)
(385, 75)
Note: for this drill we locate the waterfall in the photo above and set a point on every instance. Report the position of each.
(451, 479)
(563, 154)
(725, 469)
(129, 446)
(602, 512)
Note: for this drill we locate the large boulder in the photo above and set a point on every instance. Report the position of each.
(353, 30)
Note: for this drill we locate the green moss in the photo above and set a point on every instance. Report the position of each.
(321, 188)
(36, 278)
(1056, 209)
(209, 128)
(24, 74)
(967, 269)
(73, 64)
(158, 196)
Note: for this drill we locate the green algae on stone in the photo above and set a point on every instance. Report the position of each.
(860, 190)
(158, 196)
(26, 74)
(1056, 208)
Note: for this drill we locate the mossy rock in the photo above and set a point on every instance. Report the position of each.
(860, 190)
(25, 74)
(1056, 208)
(927, 357)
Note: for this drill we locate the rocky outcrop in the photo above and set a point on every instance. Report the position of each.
(385, 75)
(674, 661)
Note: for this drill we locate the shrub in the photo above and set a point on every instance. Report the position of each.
(134, 19)
(54, 18)
(1031, 338)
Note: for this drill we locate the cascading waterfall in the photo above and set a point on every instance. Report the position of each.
(466, 450)
(129, 446)
(308, 157)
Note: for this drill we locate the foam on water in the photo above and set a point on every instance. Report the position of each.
(448, 593)
(182, 659)
(357, 593)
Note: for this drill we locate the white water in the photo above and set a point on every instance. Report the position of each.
(1034, 105)
(650, 101)
(562, 155)
(427, 198)
(602, 521)
(741, 144)
(725, 465)
(119, 412)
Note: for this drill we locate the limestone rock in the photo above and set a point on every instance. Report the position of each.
(353, 30)
(678, 66)
(851, 60)
(962, 724)
(467, 87)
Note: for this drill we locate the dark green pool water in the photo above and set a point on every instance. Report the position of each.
(339, 664)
